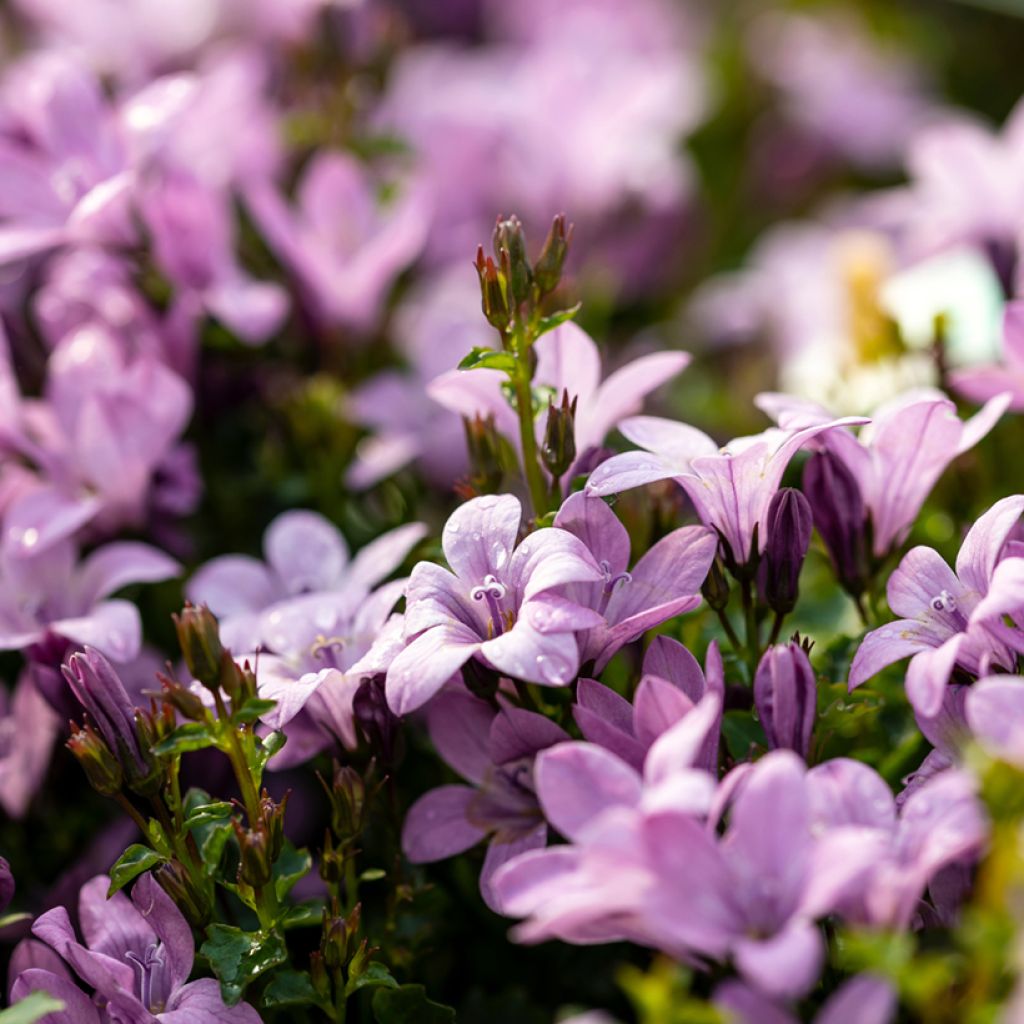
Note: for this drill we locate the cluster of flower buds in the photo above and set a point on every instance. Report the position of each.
(841, 518)
(509, 283)
(261, 843)
(350, 794)
(559, 449)
(192, 897)
(342, 957)
(788, 525)
(785, 695)
(491, 457)
(208, 661)
(114, 744)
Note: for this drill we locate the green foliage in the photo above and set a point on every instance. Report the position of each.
(132, 863)
(237, 958)
(408, 1004)
(33, 1007)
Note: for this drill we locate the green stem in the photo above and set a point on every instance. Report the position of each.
(729, 631)
(129, 808)
(528, 441)
(750, 615)
(776, 628)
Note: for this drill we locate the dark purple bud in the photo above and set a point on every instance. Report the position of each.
(493, 292)
(840, 517)
(559, 449)
(510, 248)
(100, 691)
(379, 725)
(788, 525)
(101, 767)
(6, 885)
(548, 269)
(337, 939)
(199, 637)
(785, 695)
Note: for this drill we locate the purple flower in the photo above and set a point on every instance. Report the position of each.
(313, 615)
(950, 620)
(899, 456)
(994, 708)
(863, 999)
(664, 583)
(671, 685)
(49, 596)
(786, 697)
(495, 751)
(137, 957)
(28, 727)
(731, 489)
(344, 246)
(983, 383)
(567, 360)
(499, 603)
(941, 823)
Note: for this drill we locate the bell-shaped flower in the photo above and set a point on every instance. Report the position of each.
(671, 685)
(136, 958)
(664, 583)
(568, 361)
(500, 603)
(950, 620)
(994, 708)
(304, 554)
(495, 751)
(343, 244)
(731, 488)
(899, 456)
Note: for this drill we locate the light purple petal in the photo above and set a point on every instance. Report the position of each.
(787, 964)
(200, 1002)
(438, 825)
(114, 566)
(427, 664)
(516, 733)
(982, 422)
(865, 999)
(677, 442)
(920, 578)
(550, 558)
(480, 536)
(78, 1007)
(1005, 592)
(995, 713)
(501, 853)
(232, 585)
(593, 521)
(551, 659)
(113, 927)
(669, 659)
(307, 552)
(629, 470)
(658, 706)
(847, 792)
(679, 747)
(981, 548)
(169, 926)
(113, 627)
(384, 555)
(459, 726)
(928, 675)
(884, 646)
(576, 782)
(746, 1005)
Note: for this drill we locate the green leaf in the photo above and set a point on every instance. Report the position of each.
(289, 868)
(290, 988)
(306, 914)
(481, 358)
(742, 732)
(9, 919)
(33, 1007)
(372, 875)
(204, 813)
(376, 975)
(132, 863)
(267, 748)
(190, 736)
(252, 709)
(549, 323)
(238, 957)
(409, 1004)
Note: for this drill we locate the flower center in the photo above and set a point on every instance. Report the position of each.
(493, 592)
(945, 604)
(150, 977)
(328, 650)
(611, 581)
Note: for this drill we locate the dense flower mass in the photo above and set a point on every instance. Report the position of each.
(510, 512)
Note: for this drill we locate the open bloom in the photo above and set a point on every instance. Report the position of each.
(495, 751)
(899, 456)
(499, 603)
(567, 361)
(994, 708)
(731, 488)
(664, 583)
(671, 685)
(137, 957)
(950, 619)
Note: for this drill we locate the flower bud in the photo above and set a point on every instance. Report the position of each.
(490, 455)
(510, 247)
(379, 725)
(548, 269)
(785, 695)
(559, 449)
(338, 935)
(788, 524)
(839, 515)
(348, 797)
(101, 768)
(100, 691)
(716, 587)
(199, 637)
(257, 865)
(180, 698)
(493, 292)
(190, 899)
